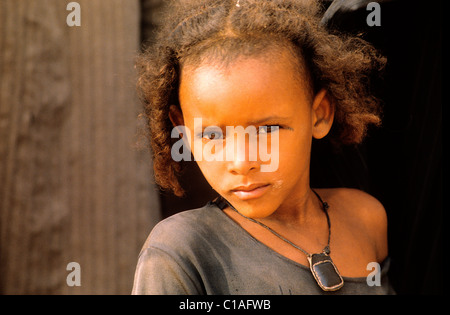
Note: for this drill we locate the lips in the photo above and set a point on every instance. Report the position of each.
(252, 191)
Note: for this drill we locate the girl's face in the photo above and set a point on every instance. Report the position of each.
(269, 94)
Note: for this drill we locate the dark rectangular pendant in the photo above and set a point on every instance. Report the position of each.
(325, 272)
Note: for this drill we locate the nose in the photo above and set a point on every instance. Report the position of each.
(243, 162)
(237, 167)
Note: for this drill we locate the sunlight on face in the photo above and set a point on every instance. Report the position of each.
(262, 92)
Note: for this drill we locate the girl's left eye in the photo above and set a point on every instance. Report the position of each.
(268, 129)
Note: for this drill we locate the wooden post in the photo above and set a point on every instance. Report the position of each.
(72, 186)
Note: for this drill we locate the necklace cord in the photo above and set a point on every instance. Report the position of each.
(325, 207)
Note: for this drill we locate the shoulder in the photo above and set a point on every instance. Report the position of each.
(356, 202)
(178, 232)
(360, 201)
(167, 263)
(361, 211)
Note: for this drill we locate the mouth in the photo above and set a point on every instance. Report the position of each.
(250, 192)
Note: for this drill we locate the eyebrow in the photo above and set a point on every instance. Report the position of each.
(266, 119)
(274, 119)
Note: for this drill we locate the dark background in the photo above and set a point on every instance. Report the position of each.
(399, 163)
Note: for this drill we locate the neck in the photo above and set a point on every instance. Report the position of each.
(303, 209)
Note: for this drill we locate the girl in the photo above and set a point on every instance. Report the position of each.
(266, 64)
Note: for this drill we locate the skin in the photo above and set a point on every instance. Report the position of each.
(270, 90)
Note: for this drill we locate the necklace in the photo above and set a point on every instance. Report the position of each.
(321, 265)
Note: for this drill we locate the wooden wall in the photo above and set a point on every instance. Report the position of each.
(72, 186)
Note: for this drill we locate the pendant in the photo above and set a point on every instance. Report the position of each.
(325, 272)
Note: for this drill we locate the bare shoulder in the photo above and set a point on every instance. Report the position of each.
(359, 210)
(356, 203)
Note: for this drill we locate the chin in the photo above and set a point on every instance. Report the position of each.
(255, 209)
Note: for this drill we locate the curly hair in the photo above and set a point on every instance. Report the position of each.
(341, 64)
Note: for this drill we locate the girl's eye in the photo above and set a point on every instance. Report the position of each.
(268, 129)
(212, 135)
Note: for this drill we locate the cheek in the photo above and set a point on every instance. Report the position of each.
(213, 172)
(295, 148)
(294, 157)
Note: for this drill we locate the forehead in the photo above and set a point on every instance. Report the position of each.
(246, 89)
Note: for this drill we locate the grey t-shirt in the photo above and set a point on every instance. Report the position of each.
(203, 251)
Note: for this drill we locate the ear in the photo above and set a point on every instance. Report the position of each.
(323, 114)
(176, 116)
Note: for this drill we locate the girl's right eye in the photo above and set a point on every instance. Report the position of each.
(212, 135)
